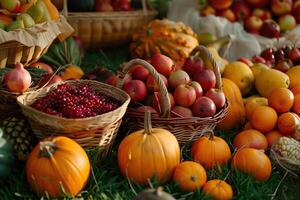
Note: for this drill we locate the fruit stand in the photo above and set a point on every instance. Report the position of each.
(132, 99)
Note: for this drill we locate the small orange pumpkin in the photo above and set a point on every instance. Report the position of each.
(190, 176)
(218, 190)
(250, 138)
(55, 164)
(149, 153)
(210, 151)
(253, 162)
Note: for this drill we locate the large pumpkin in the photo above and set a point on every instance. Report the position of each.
(236, 110)
(253, 162)
(172, 39)
(149, 153)
(57, 163)
(210, 151)
(6, 156)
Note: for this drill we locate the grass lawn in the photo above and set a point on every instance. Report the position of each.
(108, 183)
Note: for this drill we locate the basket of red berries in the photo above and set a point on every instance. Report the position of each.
(87, 111)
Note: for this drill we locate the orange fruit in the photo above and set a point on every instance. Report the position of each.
(296, 90)
(287, 123)
(248, 126)
(296, 106)
(281, 99)
(264, 118)
(253, 103)
(272, 136)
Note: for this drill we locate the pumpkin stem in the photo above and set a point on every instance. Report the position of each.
(147, 122)
(47, 149)
(210, 135)
(194, 178)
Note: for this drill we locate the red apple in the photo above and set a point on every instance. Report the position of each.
(294, 55)
(270, 29)
(284, 65)
(207, 10)
(136, 89)
(287, 22)
(228, 14)
(139, 72)
(220, 4)
(258, 3)
(253, 24)
(152, 85)
(180, 111)
(162, 64)
(49, 79)
(258, 59)
(281, 7)
(204, 107)
(156, 101)
(268, 55)
(193, 64)
(184, 95)
(246, 61)
(13, 6)
(112, 80)
(178, 77)
(241, 9)
(206, 78)
(197, 87)
(217, 96)
(103, 6)
(296, 11)
(279, 55)
(43, 66)
(122, 5)
(263, 14)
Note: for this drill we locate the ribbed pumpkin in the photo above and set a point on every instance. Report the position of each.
(172, 39)
(55, 164)
(149, 153)
(236, 110)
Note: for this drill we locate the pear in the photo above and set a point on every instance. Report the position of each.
(37, 12)
(27, 19)
(18, 24)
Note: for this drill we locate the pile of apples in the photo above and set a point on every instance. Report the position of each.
(100, 5)
(191, 89)
(268, 18)
(15, 14)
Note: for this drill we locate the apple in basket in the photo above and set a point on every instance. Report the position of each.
(13, 6)
(204, 107)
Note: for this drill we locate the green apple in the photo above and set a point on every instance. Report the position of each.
(2, 26)
(37, 12)
(27, 19)
(18, 24)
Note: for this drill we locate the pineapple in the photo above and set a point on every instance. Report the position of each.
(18, 133)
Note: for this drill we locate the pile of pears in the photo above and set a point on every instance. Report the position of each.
(20, 14)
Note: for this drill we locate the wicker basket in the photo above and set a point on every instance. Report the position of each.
(28, 45)
(107, 29)
(88, 132)
(186, 130)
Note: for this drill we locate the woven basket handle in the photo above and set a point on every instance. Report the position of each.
(202, 50)
(65, 8)
(163, 93)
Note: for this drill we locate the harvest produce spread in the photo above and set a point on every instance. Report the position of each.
(164, 115)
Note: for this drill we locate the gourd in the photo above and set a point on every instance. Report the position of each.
(210, 151)
(236, 110)
(173, 39)
(148, 153)
(6, 156)
(57, 166)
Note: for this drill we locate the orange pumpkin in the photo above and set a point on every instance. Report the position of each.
(149, 153)
(250, 138)
(253, 162)
(190, 176)
(57, 163)
(173, 39)
(218, 190)
(236, 110)
(210, 151)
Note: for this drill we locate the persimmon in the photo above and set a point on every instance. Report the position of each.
(287, 123)
(281, 99)
(264, 118)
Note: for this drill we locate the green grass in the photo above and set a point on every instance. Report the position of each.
(107, 182)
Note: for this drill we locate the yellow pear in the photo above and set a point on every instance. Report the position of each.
(257, 68)
(253, 103)
(269, 79)
(241, 75)
(294, 75)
